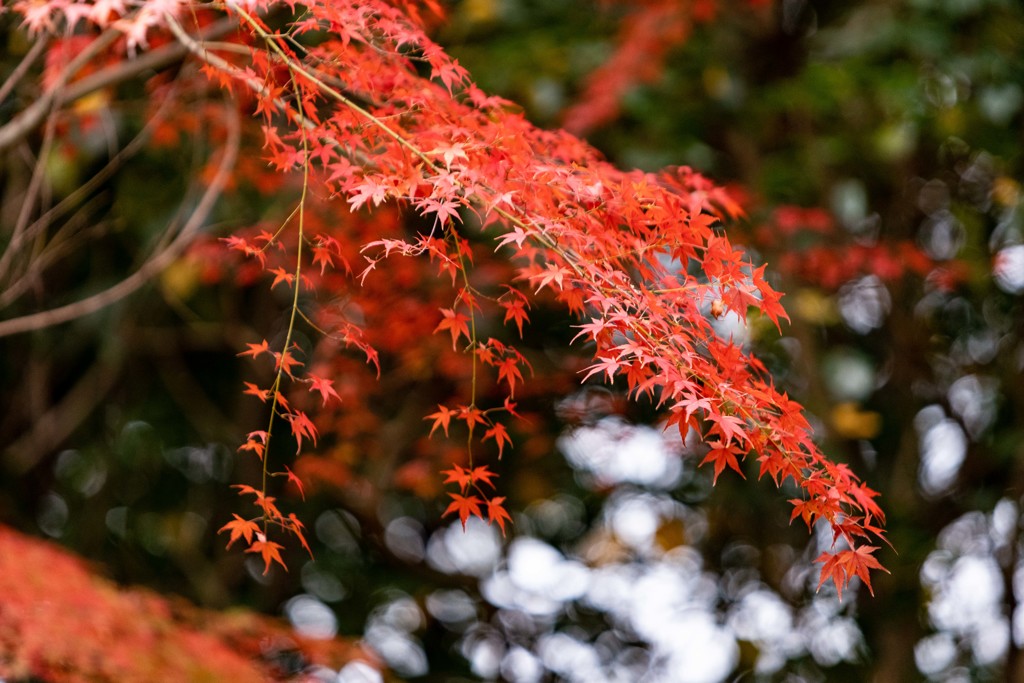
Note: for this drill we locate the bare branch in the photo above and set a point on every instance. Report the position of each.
(52, 427)
(28, 201)
(36, 112)
(31, 117)
(19, 71)
(154, 265)
(17, 286)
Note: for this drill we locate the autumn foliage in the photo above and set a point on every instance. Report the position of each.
(54, 629)
(403, 174)
(650, 29)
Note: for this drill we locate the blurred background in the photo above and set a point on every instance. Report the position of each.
(877, 147)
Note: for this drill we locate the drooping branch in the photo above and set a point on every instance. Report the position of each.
(639, 257)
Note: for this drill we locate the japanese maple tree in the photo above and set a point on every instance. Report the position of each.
(402, 170)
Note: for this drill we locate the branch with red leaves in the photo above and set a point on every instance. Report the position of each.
(370, 115)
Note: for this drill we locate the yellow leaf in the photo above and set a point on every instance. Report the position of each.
(180, 279)
(850, 422)
(814, 306)
(1006, 191)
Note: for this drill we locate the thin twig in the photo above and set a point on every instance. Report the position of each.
(17, 286)
(69, 238)
(150, 268)
(162, 57)
(59, 421)
(34, 114)
(23, 66)
(28, 200)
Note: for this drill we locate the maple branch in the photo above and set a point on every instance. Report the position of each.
(256, 86)
(282, 367)
(333, 92)
(155, 264)
(612, 275)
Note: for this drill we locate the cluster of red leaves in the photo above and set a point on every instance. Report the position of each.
(254, 531)
(371, 114)
(817, 253)
(55, 616)
(464, 506)
(649, 31)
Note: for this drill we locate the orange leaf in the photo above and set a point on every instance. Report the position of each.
(471, 416)
(458, 475)
(441, 418)
(454, 322)
(270, 551)
(324, 386)
(294, 479)
(253, 390)
(302, 427)
(256, 349)
(845, 564)
(483, 474)
(295, 526)
(722, 456)
(515, 310)
(497, 513)
(285, 361)
(240, 528)
(500, 436)
(280, 275)
(464, 506)
(508, 370)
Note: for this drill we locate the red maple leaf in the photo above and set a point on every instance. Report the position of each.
(464, 477)
(285, 362)
(458, 475)
(442, 418)
(324, 386)
(281, 275)
(500, 436)
(270, 551)
(464, 506)
(253, 390)
(508, 370)
(446, 210)
(257, 447)
(864, 497)
(294, 479)
(456, 323)
(369, 189)
(296, 527)
(472, 416)
(516, 310)
(482, 473)
(240, 528)
(552, 276)
(496, 512)
(604, 364)
(302, 427)
(722, 455)
(255, 350)
(845, 564)
(598, 328)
